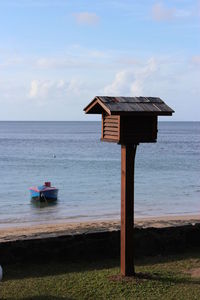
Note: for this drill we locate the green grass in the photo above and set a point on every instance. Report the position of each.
(158, 278)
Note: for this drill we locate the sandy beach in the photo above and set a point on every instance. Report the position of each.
(59, 229)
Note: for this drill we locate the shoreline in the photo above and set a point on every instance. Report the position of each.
(74, 228)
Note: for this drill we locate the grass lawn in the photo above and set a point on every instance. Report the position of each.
(157, 278)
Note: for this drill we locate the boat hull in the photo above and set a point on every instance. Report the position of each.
(44, 195)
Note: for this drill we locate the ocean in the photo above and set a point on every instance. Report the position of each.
(87, 172)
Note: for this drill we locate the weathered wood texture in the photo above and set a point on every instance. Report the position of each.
(127, 130)
(128, 121)
(111, 128)
(128, 106)
(127, 209)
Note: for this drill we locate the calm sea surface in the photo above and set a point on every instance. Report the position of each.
(87, 172)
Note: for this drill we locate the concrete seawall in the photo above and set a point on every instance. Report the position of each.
(147, 241)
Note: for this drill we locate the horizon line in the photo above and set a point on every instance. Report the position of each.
(88, 120)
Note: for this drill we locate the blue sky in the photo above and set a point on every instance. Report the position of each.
(56, 55)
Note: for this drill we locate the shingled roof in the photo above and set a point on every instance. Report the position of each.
(128, 105)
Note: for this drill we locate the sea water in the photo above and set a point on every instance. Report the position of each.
(87, 172)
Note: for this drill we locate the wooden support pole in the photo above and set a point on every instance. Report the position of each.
(127, 209)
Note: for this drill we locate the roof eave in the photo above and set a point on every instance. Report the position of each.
(142, 113)
(94, 102)
(86, 108)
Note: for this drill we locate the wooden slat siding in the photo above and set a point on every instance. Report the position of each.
(109, 132)
(111, 121)
(102, 125)
(110, 137)
(112, 118)
(111, 128)
(121, 131)
(119, 125)
(109, 125)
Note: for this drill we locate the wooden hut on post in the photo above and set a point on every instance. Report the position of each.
(128, 121)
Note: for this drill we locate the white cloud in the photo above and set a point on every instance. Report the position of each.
(43, 91)
(162, 13)
(40, 88)
(170, 77)
(33, 89)
(121, 83)
(86, 18)
(131, 82)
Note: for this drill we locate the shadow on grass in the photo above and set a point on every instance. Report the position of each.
(41, 298)
(30, 270)
(151, 260)
(142, 277)
(166, 279)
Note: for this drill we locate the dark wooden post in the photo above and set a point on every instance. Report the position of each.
(128, 121)
(127, 208)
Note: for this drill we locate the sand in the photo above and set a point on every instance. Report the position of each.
(59, 229)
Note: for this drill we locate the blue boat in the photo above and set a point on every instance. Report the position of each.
(44, 192)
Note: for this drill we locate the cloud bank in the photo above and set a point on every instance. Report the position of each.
(44, 91)
(131, 82)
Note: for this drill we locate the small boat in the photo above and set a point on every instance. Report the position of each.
(44, 192)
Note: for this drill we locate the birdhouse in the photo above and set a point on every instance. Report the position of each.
(128, 120)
